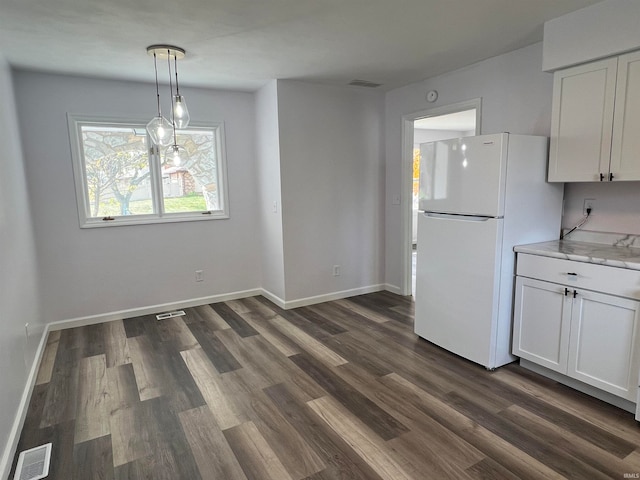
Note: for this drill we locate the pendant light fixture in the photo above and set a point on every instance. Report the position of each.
(175, 154)
(159, 127)
(180, 110)
(161, 130)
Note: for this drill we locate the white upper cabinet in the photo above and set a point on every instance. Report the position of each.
(625, 147)
(595, 122)
(582, 122)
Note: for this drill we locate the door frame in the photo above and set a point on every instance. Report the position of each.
(407, 174)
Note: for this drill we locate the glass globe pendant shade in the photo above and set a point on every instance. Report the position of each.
(160, 131)
(180, 111)
(175, 155)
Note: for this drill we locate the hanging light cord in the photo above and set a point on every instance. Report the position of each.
(173, 118)
(155, 66)
(175, 63)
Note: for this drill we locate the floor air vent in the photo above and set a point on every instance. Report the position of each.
(164, 316)
(33, 464)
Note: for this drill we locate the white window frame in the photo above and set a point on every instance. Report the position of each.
(75, 123)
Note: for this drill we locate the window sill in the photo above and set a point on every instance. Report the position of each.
(151, 219)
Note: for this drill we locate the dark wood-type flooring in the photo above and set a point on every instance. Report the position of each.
(339, 390)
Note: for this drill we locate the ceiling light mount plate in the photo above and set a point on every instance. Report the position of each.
(164, 51)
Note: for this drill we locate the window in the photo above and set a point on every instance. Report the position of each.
(122, 180)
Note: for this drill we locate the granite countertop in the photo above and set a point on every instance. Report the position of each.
(589, 252)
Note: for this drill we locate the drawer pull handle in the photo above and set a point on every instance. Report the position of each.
(572, 274)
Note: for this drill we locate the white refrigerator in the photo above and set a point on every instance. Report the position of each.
(479, 196)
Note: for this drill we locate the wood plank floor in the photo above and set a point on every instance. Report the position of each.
(340, 390)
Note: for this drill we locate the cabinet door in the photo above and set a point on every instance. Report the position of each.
(603, 350)
(582, 122)
(541, 323)
(625, 148)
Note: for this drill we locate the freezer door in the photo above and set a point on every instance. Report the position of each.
(464, 175)
(457, 284)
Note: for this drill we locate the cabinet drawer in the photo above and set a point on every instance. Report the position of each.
(612, 280)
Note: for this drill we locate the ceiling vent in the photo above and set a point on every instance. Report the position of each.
(364, 83)
(33, 464)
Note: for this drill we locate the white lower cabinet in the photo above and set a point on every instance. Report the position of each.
(541, 323)
(586, 335)
(602, 341)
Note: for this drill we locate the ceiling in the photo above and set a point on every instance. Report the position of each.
(241, 44)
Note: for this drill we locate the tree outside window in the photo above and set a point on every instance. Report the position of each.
(121, 180)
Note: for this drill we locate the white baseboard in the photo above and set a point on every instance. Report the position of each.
(393, 289)
(14, 435)
(274, 298)
(194, 302)
(327, 297)
(163, 307)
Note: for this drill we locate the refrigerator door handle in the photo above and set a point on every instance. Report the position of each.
(462, 218)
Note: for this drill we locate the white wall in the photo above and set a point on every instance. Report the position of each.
(332, 187)
(516, 98)
(421, 135)
(95, 271)
(269, 188)
(601, 30)
(616, 207)
(19, 298)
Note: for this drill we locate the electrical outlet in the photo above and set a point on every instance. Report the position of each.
(199, 275)
(588, 203)
(336, 270)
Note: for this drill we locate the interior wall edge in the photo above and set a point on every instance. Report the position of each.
(393, 288)
(274, 298)
(14, 435)
(328, 297)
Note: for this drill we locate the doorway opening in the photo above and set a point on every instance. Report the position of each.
(442, 123)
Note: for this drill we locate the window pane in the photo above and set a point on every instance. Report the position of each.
(116, 171)
(193, 185)
(119, 182)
